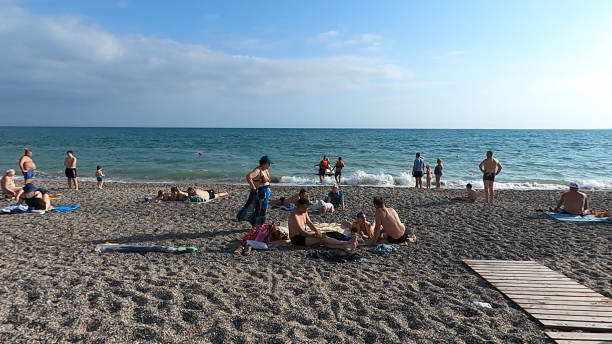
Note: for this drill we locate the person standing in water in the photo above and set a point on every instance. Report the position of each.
(490, 167)
(71, 174)
(438, 172)
(338, 170)
(417, 170)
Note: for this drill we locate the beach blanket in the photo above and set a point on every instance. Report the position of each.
(14, 209)
(143, 248)
(575, 218)
(288, 207)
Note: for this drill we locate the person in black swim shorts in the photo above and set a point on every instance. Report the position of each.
(490, 167)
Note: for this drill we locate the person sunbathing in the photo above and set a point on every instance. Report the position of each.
(288, 200)
(470, 195)
(35, 198)
(161, 196)
(206, 195)
(300, 236)
(177, 195)
(573, 201)
(387, 225)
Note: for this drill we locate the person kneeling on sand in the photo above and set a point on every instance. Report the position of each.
(298, 220)
(470, 195)
(206, 195)
(387, 225)
(362, 227)
(35, 198)
(573, 201)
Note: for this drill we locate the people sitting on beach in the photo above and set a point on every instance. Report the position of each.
(362, 227)
(206, 195)
(573, 201)
(335, 197)
(8, 185)
(300, 236)
(288, 200)
(324, 207)
(469, 196)
(177, 195)
(35, 198)
(387, 225)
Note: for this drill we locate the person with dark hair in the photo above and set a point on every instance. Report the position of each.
(387, 225)
(490, 167)
(299, 221)
(323, 167)
(470, 194)
(71, 174)
(289, 200)
(27, 165)
(362, 227)
(338, 170)
(417, 170)
(35, 198)
(256, 207)
(206, 195)
(99, 176)
(176, 194)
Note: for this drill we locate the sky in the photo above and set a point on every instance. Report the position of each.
(315, 64)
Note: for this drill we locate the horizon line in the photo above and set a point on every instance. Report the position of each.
(228, 127)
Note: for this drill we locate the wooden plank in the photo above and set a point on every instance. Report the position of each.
(561, 302)
(590, 312)
(558, 298)
(509, 292)
(578, 341)
(578, 325)
(521, 276)
(579, 335)
(535, 278)
(538, 284)
(488, 270)
(584, 318)
(529, 307)
(493, 261)
(520, 290)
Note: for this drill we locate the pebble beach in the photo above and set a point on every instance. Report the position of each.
(54, 287)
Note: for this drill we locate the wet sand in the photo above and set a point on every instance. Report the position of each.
(55, 288)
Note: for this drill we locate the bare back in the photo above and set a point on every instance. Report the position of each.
(297, 223)
(390, 222)
(490, 165)
(574, 202)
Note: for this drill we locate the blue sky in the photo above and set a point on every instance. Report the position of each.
(391, 64)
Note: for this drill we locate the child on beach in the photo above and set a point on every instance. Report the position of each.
(470, 195)
(428, 176)
(99, 176)
(438, 172)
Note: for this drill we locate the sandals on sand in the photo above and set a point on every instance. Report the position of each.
(247, 251)
(238, 250)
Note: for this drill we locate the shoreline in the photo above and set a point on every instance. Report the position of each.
(54, 287)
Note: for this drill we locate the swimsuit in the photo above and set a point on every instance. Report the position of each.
(298, 240)
(211, 193)
(99, 179)
(70, 172)
(399, 240)
(29, 174)
(418, 168)
(437, 171)
(488, 176)
(339, 167)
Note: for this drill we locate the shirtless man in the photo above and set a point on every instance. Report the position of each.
(470, 194)
(362, 227)
(206, 195)
(289, 200)
(70, 163)
(574, 201)
(8, 185)
(27, 165)
(298, 220)
(387, 225)
(177, 195)
(490, 167)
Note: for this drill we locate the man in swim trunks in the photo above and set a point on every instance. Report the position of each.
(323, 166)
(490, 167)
(205, 194)
(70, 163)
(573, 201)
(27, 166)
(300, 236)
(387, 225)
(8, 185)
(417, 170)
(289, 200)
(338, 170)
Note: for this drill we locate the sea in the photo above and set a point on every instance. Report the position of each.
(531, 159)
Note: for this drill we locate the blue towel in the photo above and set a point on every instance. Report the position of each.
(575, 218)
(289, 207)
(385, 249)
(66, 208)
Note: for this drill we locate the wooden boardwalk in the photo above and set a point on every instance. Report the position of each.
(554, 300)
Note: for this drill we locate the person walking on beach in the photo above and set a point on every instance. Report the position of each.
(387, 225)
(27, 166)
(99, 176)
(323, 166)
(417, 170)
(338, 170)
(490, 167)
(573, 201)
(438, 172)
(300, 236)
(71, 174)
(256, 207)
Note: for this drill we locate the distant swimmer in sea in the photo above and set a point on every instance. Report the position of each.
(417, 171)
(70, 163)
(469, 196)
(387, 225)
(288, 200)
(323, 167)
(490, 167)
(206, 195)
(438, 172)
(256, 207)
(573, 201)
(303, 232)
(338, 170)
(27, 165)
(8, 185)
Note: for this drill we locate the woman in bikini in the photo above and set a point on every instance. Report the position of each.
(256, 206)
